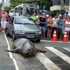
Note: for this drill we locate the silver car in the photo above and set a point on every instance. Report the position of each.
(22, 27)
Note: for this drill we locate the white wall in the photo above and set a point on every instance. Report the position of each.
(55, 7)
(0, 1)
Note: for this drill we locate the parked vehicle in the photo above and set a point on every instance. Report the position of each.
(20, 26)
(26, 9)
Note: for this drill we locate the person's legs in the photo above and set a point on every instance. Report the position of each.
(53, 28)
(58, 33)
(49, 31)
(41, 28)
(44, 29)
(61, 34)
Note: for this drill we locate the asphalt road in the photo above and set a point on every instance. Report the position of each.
(57, 56)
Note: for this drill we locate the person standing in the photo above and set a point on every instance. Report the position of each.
(60, 27)
(49, 28)
(0, 24)
(3, 24)
(67, 27)
(34, 17)
(42, 22)
(54, 26)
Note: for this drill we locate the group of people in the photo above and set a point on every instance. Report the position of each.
(48, 24)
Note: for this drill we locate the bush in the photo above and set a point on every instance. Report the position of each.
(7, 8)
(52, 13)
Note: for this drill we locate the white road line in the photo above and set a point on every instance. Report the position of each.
(47, 62)
(67, 49)
(10, 54)
(60, 54)
(52, 41)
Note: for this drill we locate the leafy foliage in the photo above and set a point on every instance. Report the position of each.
(41, 3)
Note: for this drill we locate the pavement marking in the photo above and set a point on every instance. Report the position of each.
(60, 54)
(67, 49)
(47, 62)
(52, 41)
(10, 54)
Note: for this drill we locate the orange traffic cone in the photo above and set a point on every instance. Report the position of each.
(65, 37)
(54, 38)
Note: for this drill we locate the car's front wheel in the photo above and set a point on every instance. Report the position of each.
(38, 40)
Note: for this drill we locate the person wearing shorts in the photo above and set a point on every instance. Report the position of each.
(0, 21)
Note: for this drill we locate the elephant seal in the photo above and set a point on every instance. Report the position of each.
(24, 47)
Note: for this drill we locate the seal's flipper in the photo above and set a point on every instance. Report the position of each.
(39, 50)
(12, 50)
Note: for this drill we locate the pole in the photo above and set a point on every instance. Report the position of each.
(62, 4)
(62, 7)
(69, 6)
(2, 5)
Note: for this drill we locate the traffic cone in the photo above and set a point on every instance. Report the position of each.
(65, 37)
(54, 38)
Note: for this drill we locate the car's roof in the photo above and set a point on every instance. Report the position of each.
(21, 17)
(24, 17)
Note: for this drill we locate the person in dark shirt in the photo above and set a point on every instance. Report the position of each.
(42, 22)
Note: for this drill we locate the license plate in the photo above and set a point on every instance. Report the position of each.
(30, 36)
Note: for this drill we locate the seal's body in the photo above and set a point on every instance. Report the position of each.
(25, 47)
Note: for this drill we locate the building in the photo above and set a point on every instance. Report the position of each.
(6, 2)
(0, 1)
(58, 4)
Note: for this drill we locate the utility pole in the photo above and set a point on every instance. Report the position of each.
(62, 4)
(62, 7)
(69, 6)
(2, 5)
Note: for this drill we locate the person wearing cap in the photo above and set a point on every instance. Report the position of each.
(60, 27)
(42, 22)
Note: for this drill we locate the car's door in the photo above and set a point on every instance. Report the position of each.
(11, 26)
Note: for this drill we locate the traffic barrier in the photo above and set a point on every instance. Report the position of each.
(65, 37)
(54, 38)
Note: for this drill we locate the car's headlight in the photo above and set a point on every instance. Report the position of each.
(19, 32)
(39, 32)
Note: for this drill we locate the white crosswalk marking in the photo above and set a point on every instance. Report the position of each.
(67, 49)
(60, 54)
(47, 62)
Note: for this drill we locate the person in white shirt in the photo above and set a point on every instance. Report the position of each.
(67, 26)
(3, 24)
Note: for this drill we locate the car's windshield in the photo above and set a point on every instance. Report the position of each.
(24, 21)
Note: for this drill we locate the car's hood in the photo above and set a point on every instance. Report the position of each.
(26, 28)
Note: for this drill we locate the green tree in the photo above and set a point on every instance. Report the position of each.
(41, 3)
